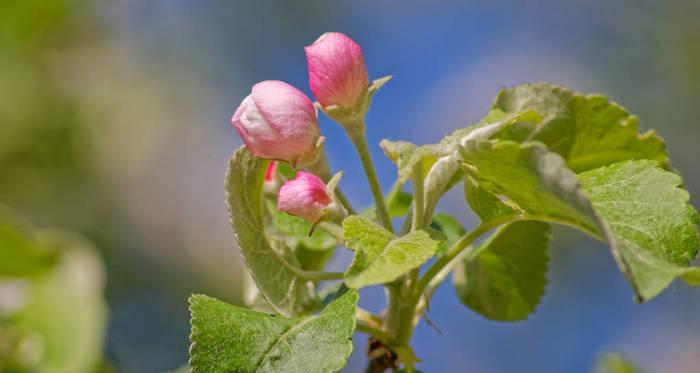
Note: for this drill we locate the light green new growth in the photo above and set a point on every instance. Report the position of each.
(381, 257)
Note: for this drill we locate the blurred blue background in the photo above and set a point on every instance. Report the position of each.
(115, 122)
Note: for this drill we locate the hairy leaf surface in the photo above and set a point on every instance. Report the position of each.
(276, 272)
(653, 228)
(381, 257)
(589, 131)
(622, 210)
(227, 338)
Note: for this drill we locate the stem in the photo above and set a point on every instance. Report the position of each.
(374, 332)
(322, 169)
(321, 276)
(455, 250)
(418, 204)
(356, 133)
(368, 317)
(344, 201)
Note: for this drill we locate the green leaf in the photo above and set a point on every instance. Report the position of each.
(226, 338)
(440, 162)
(651, 248)
(61, 321)
(381, 257)
(276, 272)
(653, 229)
(485, 204)
(450, 227)
(587, 130)
(535, 180)
(506, 277)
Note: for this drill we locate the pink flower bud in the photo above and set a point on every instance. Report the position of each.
(337, 72)
(277, 121)
(305, 196)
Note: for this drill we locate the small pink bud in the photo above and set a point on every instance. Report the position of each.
(277, 121)
(305, 196)
(337, 72)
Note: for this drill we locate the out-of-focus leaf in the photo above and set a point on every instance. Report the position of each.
(61, 323)
(21, 254)
(616, 362)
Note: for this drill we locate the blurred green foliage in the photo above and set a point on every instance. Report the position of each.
(52, 311)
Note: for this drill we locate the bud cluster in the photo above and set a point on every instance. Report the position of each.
(279, 122)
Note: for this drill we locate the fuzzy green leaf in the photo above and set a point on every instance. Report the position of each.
(226, 338)
(407, 155)
(589, 131)
(651, 249)
(381, 257)
(276, 271)
(506, 277)
(534, 179)
(653, 229)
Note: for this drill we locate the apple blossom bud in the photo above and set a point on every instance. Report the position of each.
(277, 121)
(337, 72)
(304, 196)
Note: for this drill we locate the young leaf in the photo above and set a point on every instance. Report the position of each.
(381, 257)
(505, 278)
(226, 338)
(653, 228)
(276, 271)
(587, 130)
(650, 249)
(407, 155)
